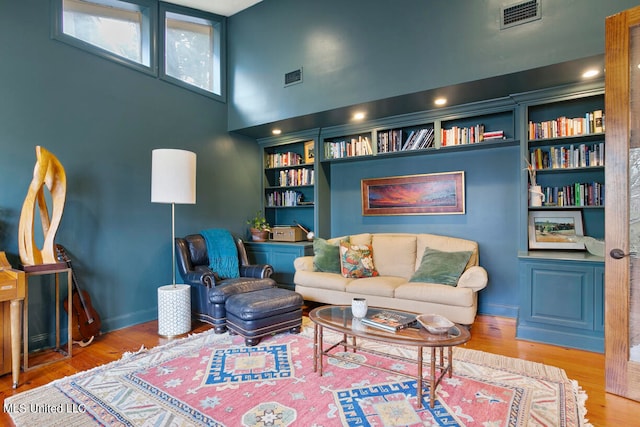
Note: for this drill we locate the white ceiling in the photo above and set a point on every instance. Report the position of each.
(221, 7)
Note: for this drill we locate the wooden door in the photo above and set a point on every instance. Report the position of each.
(622, 203)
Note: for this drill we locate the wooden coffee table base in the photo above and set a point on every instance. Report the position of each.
(438, 367)
(339, 318)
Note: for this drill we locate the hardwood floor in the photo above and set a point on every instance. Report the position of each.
(490, 334)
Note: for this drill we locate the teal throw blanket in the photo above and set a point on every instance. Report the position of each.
(222, 251)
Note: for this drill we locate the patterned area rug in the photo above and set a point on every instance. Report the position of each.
(214, 380)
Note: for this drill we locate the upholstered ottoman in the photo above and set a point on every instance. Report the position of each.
(256, 314)
(218, 296)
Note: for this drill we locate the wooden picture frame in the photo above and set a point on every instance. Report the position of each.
(555, 229)
(426, 194)
(309, 154)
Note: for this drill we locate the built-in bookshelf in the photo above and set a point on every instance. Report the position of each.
(481, 125)
(566, 150)
(289, 179)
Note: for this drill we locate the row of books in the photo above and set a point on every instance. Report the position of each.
(285, 198)
(578, 194)
(592, 122)
(393, 141)
(277, 160)
(468, 135)
(572, 156)
(360, 146)
(296, 177)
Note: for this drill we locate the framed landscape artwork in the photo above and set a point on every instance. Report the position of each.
(555, 230)
(427, 194)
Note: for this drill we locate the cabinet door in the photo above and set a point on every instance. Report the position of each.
(282, 262)
(559, 295)
(280, 256)
(599, 299)
(622, 281)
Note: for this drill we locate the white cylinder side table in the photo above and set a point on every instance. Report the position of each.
(174, 310)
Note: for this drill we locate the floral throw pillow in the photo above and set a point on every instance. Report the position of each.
(356, 260)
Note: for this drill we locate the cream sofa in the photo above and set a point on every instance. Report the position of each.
(396, 258)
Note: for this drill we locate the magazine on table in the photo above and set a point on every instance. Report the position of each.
(388, 320)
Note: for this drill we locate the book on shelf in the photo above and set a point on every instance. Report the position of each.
(578, 194)
(295, 177)
(468, 135)
(572, 156)
(277, 160)
(592, 122)
(343, 148)
(388, 320)
(496, 134)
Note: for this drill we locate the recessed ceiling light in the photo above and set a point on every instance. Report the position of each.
(358, 116)
(590, 73)
(276, 131)
(440, 101)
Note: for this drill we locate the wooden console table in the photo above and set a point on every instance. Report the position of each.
(12, 288)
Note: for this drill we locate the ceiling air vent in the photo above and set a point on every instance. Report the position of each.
(293, 77)
(519, 13)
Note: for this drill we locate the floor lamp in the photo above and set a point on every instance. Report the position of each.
(173, 180)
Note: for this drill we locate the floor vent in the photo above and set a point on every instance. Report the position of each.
(519, 13)
(293, 77)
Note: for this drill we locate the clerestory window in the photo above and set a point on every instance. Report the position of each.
(192, 48)
(115, 29)
(136, 33)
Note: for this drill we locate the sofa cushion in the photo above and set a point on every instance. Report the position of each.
(441, 267)
(326, 256)
(394, 254)
(320, 280)
(383, 286)
(357, 260)
(437, 294)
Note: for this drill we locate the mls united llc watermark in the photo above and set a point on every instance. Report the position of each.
(44, 408)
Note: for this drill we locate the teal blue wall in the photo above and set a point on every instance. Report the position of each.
(361, 50)
(102, 120)
(491, 217)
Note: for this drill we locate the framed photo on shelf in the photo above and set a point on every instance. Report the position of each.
(426, 194)
(309, 154)
(555, 229)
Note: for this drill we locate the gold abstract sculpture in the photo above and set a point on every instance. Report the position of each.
(48, 172)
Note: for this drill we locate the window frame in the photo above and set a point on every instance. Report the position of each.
(149, 37)
(219, 24)
(154, 40)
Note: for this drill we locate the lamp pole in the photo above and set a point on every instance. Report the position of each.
(173, 243)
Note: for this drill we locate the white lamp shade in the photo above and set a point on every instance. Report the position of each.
(173, 176)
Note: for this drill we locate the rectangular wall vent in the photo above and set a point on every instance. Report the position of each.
(519, 13)
(293, 77)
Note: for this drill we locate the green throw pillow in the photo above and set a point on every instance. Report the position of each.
(441, 267)
(326, 256)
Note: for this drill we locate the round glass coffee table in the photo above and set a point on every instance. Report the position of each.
(338, 318)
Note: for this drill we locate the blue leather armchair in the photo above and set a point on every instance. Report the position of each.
(209, 292)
